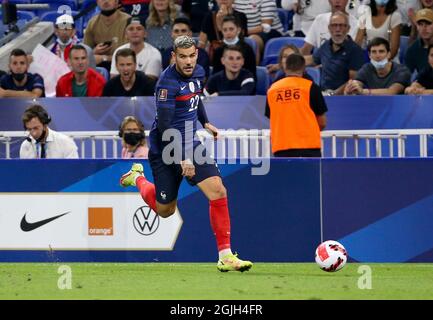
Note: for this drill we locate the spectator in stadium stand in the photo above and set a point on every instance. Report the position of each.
(130, 82)
(133, 138)
(278, 71)
(64, 29)
(148, 57)
(416, 54)
(162, 14)
(297, 112)
(182, 27)
(424, 80)
(305, 13)
(384, 14)
(319, 31)
(105, 32)
(407, 9)
(136, 8)
(422, 4)
(233, 80)
(82, 81)
(211, 29)
(307, 10)
(340, 57)
(44, 142)
(20, 83)
(232, 35)
(380, 76)
(263, 22)
(196, 11)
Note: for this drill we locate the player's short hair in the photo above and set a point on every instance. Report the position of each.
(126, 52)
(340, 14)
(183, 42)
(35, 111)
(17, 53)
(183, 20)
(377, 42)
(234, 47)
(77, 47)
(295, 62)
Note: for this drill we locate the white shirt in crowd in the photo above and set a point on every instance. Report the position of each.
(319, 31)
(384, 31)
(148, 60)
(57, 145)
(304, 20)
(404, 6)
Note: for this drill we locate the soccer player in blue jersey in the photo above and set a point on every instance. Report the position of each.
(172, 147)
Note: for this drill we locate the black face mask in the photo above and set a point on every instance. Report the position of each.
(133, 138)
(108, 13)
(18, 76)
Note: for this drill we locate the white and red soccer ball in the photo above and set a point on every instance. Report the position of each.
(331, 256)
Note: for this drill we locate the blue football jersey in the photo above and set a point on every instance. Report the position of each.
(174, 93)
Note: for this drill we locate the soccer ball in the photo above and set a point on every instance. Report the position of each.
(331, 256)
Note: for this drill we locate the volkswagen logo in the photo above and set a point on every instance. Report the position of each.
(146, 222)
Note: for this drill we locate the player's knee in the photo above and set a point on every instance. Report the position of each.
(220, 191)
(166, 212)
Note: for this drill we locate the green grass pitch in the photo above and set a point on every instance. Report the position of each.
(267, 281)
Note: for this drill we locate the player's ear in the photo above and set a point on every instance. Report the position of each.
(173, 54)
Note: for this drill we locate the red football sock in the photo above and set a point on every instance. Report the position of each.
(147, 191)
(220, 222)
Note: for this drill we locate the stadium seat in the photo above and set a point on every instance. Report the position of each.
(56, 5)
(22, 16)
(251, 43)
(89, 15)
(273, 46)
(314, 73)
(414, 76)
(282, 14)
(20, 1)
(52, 16)
(103, 72)
(263, 80)
(404, 42)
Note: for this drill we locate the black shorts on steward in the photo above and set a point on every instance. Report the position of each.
(168, 177)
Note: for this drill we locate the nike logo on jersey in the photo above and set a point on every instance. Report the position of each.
(29, 226)
(181, 88)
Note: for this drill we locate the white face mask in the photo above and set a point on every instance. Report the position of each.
(379, 64)
(64, 44)
(231, 42)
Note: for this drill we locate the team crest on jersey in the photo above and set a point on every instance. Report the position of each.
(191, 87)
(162, 95)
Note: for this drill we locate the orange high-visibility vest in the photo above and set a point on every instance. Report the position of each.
(293, 122)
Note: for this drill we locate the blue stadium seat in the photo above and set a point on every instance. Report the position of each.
(414, 76)
(22, 15)
(89, 15)
(55, 5)
(20, 1)
(263, 80)
(52, 16)
(282, 14)
(104, 73)
(314, 73)
(252, 44)
(404, 42)
(273, 47)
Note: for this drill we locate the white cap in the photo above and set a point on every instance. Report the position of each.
(64, 19)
